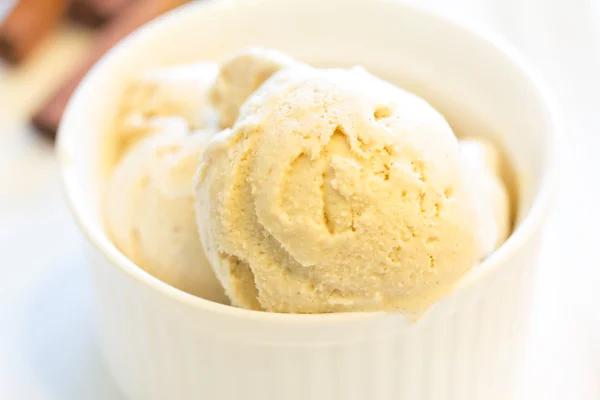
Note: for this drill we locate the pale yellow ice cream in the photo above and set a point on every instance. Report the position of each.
(149, 208)
(336, 191)
(485, 161)
(240, 76)
(164, 92)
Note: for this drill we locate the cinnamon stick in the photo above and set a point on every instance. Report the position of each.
(96, 12)
(26, 25)
(47, 118)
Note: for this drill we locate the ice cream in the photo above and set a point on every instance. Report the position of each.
(337, 191)
(149, 208)
(485, 161)
(240, 76)
(179, 90)
(330, 190)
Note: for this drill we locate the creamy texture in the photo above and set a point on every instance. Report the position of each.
(164, 92)
(149, 208)
(331, 191)
(486, 165)
(240, 76)
(336, 191)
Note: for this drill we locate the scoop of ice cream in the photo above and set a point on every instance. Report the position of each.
(485, 161)
(167, 91)
(336, 191)
(149, 208)
(240, 76)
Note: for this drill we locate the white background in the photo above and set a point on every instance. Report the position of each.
(48, 343)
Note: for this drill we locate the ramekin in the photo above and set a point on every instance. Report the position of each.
(161, 343)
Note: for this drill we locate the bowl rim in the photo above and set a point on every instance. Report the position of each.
(538, 212)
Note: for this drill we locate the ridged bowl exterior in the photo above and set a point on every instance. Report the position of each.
(157, 350)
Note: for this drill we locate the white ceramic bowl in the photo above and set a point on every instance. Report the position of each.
(162, 343)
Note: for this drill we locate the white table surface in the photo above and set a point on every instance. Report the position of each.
(48, 343)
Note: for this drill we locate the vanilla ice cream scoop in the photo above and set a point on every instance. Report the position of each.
(336, 191)
(167, 91)
(241, 75)
(149, 208)
(485, 161)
